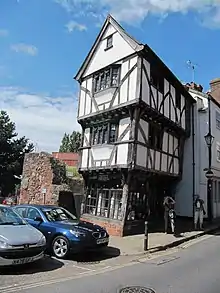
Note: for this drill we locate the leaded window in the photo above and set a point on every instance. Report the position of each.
(105, 133)
(106, 78)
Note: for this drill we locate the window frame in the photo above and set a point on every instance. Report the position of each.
(218, 152)
(105, 210)
(217, 119)
(108, 78)
(103, 130)
(109, 46)
(32, 208)
(157, 136)
(156, 80)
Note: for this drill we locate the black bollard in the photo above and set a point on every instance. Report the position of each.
(145, 235)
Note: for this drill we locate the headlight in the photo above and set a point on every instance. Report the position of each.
(4, 244)
(42, 241)
(77, 233)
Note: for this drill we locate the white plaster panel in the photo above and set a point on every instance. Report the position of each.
(166, 107)
(122, 154)
(104, 96)
(145, 84)
(102, 58)
(173, 104)
(141, 158)
(109, 31)
(164, 163)
(154, 98)
(82, 102)
(157, 161)
(144, 125)
(132, 80)
(102, 152)
(124, 86)
(123, 123)
(160, 100)
(170, 144)
(176, 166)
(84, 159)
(165, 142)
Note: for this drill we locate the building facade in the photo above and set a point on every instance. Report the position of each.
(195, 165)
(70, 159)
(135, 118)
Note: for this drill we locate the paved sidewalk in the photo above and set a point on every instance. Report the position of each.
(133, 245)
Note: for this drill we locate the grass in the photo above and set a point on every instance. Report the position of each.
(73, 171)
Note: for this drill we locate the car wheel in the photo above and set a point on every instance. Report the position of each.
(60, 247)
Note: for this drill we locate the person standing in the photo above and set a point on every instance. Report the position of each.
(169, 214)
(199, 212)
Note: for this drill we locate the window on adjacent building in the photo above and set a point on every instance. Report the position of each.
(105, 133)
(109, 42)
(155, 138)
(178, 100)
(217, 119)
(218, 151)
(218, 191)
(156, 79)
(106, 78)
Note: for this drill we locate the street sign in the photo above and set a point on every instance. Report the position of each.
(44, 190)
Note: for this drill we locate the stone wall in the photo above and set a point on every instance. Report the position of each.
(37, 175)
(40, 172)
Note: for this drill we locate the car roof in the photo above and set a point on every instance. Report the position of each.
(38, 206)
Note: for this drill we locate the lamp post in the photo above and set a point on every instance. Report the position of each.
(209, 174)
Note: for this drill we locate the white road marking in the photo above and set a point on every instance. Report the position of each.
(82, 268)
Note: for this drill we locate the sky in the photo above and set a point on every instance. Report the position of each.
(44, 42)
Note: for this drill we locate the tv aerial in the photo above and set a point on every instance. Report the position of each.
(193, 67)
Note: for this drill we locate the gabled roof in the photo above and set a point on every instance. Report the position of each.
(136, 46)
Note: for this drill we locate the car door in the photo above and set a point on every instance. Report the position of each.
(31, 216)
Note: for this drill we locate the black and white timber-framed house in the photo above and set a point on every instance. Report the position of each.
(135, 118)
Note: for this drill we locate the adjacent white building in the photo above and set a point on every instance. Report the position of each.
(195, 162)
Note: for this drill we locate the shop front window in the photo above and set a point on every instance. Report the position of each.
(104, 203)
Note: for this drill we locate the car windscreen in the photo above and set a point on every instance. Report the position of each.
(58, 214)
(9, 217)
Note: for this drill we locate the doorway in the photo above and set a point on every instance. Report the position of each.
(66, 200)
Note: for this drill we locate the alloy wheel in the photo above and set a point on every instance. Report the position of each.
(60, 247)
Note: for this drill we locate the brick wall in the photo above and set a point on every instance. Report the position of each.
(114, 227)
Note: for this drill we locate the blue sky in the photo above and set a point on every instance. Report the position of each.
(43, 43)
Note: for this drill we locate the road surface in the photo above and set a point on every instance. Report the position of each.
(190, 269)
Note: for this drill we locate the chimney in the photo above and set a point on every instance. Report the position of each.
(215, 89)
(194, 86)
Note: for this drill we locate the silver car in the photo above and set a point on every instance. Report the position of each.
(20, 243)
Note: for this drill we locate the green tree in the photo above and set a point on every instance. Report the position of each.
(70, 143)
(64, 143)
(12, 151)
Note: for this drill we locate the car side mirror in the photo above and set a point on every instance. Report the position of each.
(38, 219)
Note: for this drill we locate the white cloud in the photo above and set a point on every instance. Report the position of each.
(43, 119)
(3, 33)
(135, 11)
(73, 25)
(24, 48)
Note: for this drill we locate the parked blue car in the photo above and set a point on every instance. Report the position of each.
(64, 233)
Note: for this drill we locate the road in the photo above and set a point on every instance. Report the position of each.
(192, 268)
